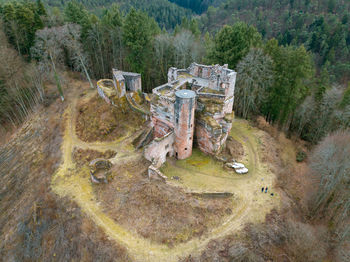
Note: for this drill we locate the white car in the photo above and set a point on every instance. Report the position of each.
(242, 170)
(237, 165)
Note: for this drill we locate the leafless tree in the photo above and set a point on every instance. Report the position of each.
(48, 49)
(186, 49)
(330, 166)
(255, 75)
(71, 35)
(20, 85)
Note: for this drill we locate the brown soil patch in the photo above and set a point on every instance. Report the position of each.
(160, 212)
(83, 157)
(234, 149)
(278, 239)
(280, 153)
(99, 121)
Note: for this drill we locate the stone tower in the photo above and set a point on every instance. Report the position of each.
(184, 107)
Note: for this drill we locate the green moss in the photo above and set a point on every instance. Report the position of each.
(229, 117)
(198, 162)
(210, 121)
(211, 101)
(154, 99)
(211, 91)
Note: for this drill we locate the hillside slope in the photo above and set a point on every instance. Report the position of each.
(36, 225)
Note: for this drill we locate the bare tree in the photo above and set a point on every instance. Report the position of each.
(20, 85)
(48, 49)
(330, 166)
(71, 42)
(255, 75)
(186, 49)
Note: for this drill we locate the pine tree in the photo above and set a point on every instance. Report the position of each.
(232, 43)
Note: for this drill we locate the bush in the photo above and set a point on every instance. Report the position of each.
(301, 156)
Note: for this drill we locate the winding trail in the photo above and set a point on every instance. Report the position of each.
(249, 207)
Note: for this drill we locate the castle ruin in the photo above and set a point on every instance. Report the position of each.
(195, 106)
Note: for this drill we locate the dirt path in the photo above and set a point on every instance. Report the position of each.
(251, 205)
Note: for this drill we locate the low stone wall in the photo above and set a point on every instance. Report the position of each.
(155, 174)
(211, 95)
(212, 194)
(96, 165)
(106, 89)
(161, 88)
(134, 106)
(144, 138)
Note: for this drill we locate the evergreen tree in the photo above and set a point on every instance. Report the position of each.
(138, 33)
(21, 21)
(293, 68)
(232, 43)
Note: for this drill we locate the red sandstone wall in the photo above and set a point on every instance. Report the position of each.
(203, 140)
(160, 128)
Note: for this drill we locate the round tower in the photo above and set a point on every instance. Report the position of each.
(184, 107)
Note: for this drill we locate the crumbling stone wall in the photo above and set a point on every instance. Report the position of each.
(172, 74)
(133, 81)
(126, 82)
(160, 148)
(119, 82)
(106, 90)
(156, 174)
(162, 111)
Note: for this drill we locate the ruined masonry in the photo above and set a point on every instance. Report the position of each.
(195, 106)
(122, 83)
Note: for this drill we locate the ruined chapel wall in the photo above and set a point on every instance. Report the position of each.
(158, 149)
(101, 94)
(133, 82)
(172, 74)
(230, 92)
(198, 70)
(162, 112)
(231, 82)
(119, 82)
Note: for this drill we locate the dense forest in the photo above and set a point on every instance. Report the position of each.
(166, 14)
(322, 26)
(197, 6)
(292, 58)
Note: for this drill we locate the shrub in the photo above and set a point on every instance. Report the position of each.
(301, 156)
